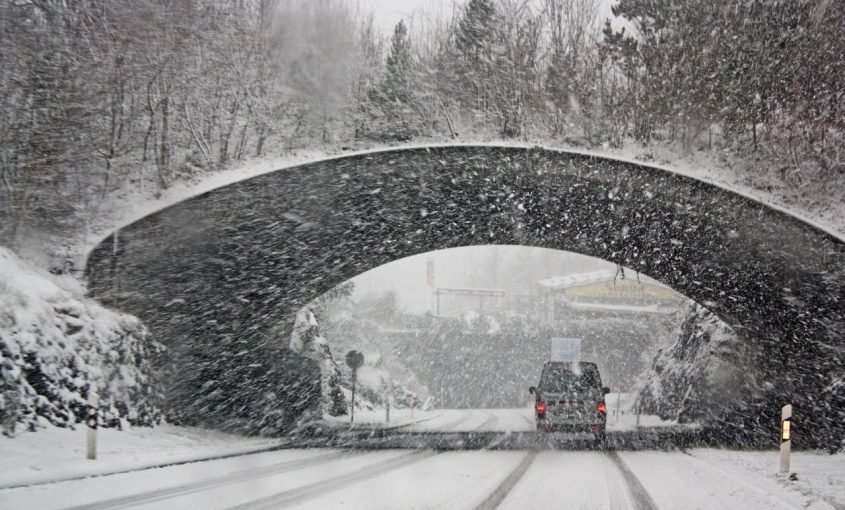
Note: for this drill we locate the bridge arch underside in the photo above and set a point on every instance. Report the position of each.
(230, 268)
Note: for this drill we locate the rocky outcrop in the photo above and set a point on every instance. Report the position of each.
(58, 348)
(702, 373)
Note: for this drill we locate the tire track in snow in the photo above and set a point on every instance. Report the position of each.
(449, 425)
(407, 425)
(532, 423)
(220, 481)
(640, 498)
(489, 423)
(322, 487)
(499, 494)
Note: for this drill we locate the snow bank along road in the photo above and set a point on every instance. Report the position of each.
(396, 479)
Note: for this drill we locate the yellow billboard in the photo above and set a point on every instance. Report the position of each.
(623, 291)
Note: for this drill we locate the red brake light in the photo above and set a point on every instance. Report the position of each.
(541, 407)
(601, 408)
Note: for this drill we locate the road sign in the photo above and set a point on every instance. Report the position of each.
(479, 293)
(471, 292)
(566, 349)
(354, 360)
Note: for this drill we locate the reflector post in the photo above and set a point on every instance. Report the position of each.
(785, 438)
(91, 422)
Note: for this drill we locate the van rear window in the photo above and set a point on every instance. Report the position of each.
(561, 379)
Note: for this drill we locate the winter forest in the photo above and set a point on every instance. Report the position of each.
(138, 95)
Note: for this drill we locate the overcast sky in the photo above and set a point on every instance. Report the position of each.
(389, 12)
(518, 268)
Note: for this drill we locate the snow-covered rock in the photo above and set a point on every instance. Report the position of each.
(57, 348)
(701, 373)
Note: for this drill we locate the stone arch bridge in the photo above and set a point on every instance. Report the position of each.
(219, 277)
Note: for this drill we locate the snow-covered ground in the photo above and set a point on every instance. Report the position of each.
(720, 479)
(58, 453)
(325, 478)
(818, 475)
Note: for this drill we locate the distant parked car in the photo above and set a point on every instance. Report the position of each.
(570, 398)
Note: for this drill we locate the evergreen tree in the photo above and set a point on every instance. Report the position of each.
(476, 30)
(474, 45)
(394, 113)
(397, 82)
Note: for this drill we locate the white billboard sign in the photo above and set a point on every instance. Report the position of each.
(566, 349)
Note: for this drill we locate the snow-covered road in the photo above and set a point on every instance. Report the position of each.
(327, 478)
(398, 479)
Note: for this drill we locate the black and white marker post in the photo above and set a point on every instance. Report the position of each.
(354, 360)
(91, 422)
(785, 438)
(388, 395)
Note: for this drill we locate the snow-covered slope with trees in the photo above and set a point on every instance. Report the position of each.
(88, 117)
(58, 348)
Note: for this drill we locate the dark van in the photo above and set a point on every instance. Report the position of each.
(570, 397)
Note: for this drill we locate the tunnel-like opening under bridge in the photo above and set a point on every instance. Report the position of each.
(219, 277)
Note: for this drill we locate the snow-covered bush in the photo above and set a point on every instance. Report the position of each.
(704, 371)
(307, 341)
(376, 386)
(58, 347)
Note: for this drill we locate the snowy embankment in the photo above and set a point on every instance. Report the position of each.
(819, 477)
(128, 205)
(58, 348)
(59, 454)
(719, 479)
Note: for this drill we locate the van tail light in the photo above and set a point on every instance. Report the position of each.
(601, 408)
(541, 407)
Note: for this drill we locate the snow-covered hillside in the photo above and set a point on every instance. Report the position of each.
(58, 347)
